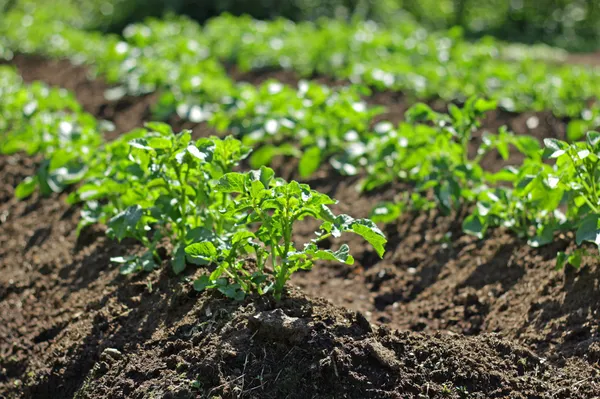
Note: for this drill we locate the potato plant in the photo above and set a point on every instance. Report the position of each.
(155, 186)
(431, 150)
(546, 199)
(529, 208)
(160, 185)
(37, 119)
(576, 176)
(265, 209)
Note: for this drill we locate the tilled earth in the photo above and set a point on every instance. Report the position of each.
(442, 315)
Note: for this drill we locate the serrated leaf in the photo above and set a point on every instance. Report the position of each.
(201, 253)
(370, 232)
(232, 183)
(341, 255)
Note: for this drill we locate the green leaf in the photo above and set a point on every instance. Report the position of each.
(561, 260)
(483, 105)
(160, 127)
(121, 225)
(543, 237)
(310, 162)
(420, 112)
(257, 190)
(370, 232)
(386, 212)
(232, 183)
(457, 113)
(159, 143)
(505, 174)
(589, 230)
(147, 262)
(341, 255)
(263, 156)
(232, 291)
(201, 253)
(575, 258)
(202, 283)
(200, 234)
(204, 154)
(554, 148)
(503, 149)
(26, 187)
(526, 144)
(593, 139)
(178, 261)
(264, 175)
(242, 237)
(133, 263)
(474, 225)
(141, 144)
(576, 129)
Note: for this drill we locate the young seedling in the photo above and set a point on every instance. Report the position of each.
(577, 178)
(269, 208)
(162, 188)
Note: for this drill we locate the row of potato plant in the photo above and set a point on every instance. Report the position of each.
(548, 198)
(184, 59)
(153, 185)
(432, 155)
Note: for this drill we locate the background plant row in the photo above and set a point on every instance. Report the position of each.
(565, 23)
(179, 55)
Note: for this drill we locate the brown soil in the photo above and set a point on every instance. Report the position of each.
(72, 325)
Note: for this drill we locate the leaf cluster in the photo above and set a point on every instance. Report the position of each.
(37, 119)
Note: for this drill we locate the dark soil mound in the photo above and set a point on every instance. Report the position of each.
(70, 324)
(304, 348)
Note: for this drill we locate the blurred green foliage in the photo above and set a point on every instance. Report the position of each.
(114, 15)
(570, 24)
